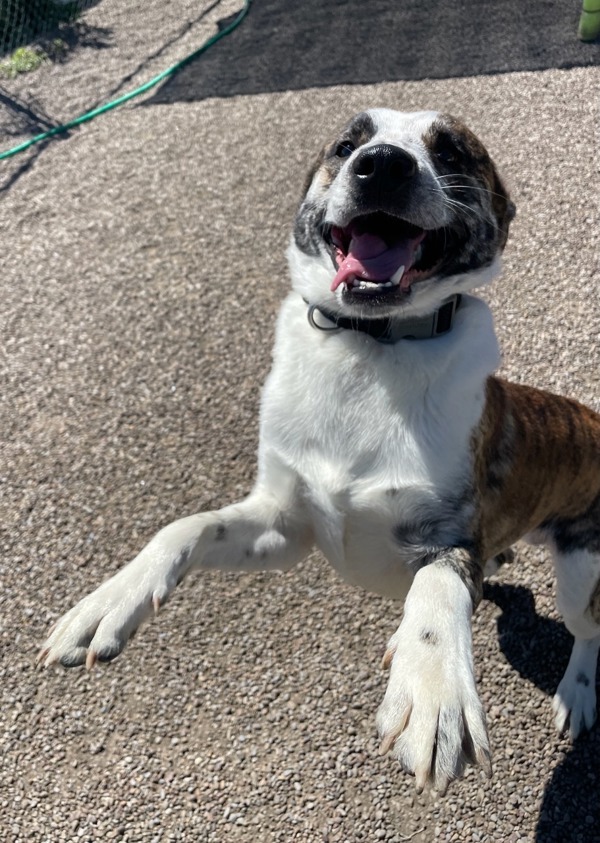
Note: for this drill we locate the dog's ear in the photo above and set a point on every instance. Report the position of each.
(502, 205)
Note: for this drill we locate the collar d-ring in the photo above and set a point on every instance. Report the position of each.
(314, 324)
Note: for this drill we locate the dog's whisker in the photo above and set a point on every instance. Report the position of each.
(463, 186)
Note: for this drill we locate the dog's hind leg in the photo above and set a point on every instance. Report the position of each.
(263, 532)
(493, 565)
(578, 600)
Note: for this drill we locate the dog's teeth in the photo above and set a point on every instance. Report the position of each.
(356, 284)
(397, 276)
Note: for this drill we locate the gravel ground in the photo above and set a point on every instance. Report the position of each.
(143, 264)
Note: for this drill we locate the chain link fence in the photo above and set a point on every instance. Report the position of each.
(21, 21)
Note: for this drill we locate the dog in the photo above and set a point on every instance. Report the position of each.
(387, 441)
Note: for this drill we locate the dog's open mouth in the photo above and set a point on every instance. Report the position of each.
(379, 254)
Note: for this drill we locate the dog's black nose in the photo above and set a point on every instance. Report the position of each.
(384, 165)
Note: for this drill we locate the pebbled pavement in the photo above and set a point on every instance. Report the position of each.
(142, 268)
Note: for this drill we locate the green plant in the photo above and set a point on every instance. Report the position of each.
(22, 60)
(22, 20)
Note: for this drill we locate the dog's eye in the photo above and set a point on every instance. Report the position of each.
(446, 156)
(344, 149)
(446, 152)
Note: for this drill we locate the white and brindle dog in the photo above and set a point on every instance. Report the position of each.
(387, 442)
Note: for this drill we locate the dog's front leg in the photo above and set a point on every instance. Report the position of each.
(257, 534)
(431, 717)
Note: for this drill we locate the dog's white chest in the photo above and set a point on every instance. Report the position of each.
(377, 436)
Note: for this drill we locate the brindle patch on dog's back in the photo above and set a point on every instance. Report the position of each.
(537, 466)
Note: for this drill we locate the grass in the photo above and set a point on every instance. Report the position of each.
(25, 21)
(23, 60)
(21, 21)
(26, 59)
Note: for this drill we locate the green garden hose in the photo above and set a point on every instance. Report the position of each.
(89, 115)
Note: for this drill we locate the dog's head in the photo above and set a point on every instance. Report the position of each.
(400, 211)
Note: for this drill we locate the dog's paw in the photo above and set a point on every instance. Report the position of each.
(575, 703)
(100, 625)
(431, 719)
(575, 699)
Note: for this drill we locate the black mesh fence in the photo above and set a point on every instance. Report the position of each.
(21, 21)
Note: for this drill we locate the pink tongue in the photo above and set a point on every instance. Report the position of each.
(370, 258)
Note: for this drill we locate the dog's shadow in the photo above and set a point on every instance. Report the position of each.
(539, 648)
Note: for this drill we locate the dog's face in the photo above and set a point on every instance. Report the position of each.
(401, 210)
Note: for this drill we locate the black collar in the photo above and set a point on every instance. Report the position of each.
(387, 330)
